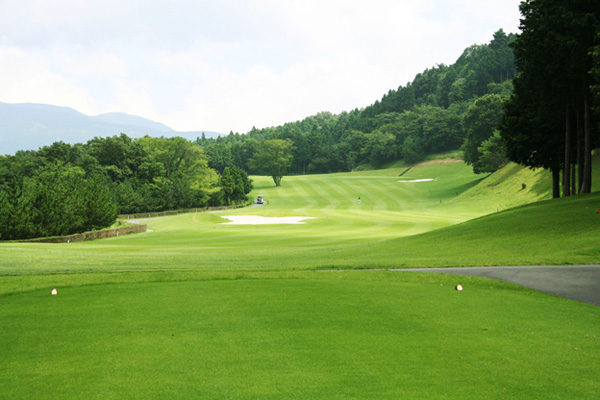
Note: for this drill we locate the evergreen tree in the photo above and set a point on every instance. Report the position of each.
(551, 101)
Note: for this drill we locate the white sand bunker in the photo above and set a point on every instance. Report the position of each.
(258, 220)
(418, 180)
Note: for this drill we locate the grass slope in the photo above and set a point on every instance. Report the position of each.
(561, 231)
(509, 187)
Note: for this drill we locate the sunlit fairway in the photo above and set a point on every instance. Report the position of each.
(388, 209)
(201, 309)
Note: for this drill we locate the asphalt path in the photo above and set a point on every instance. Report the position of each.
(575, 282)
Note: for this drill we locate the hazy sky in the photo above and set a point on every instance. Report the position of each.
(228, 65)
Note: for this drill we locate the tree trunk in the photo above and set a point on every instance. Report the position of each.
(587, 126)
(555, 183)
(580, 150)
(573, 179)
(567, 166)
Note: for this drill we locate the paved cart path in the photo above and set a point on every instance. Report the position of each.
(575, 282)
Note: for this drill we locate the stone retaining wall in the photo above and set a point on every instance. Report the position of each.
(103, 234)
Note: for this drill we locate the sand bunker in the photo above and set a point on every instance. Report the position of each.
(258, 220)
(418, 180)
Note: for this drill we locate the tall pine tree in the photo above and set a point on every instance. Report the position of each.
(549, 113)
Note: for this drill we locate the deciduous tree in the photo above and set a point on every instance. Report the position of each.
(273, 157)
(480, 121)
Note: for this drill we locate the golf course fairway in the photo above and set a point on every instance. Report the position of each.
(198, 308)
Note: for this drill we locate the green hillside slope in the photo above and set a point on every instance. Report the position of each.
(559, 231)
(515, 185)
(511, 186)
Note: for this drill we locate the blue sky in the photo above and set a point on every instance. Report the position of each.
(230, 65)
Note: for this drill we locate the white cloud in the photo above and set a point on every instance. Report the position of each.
(232, 64)
(80, 62)
(28, 77)
(134, 98)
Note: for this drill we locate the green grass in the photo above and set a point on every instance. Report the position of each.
(504, 188)
(197, 309)
(319, 335)
(562, 231)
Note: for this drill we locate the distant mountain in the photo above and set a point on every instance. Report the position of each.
(132, 121)
(31, 126)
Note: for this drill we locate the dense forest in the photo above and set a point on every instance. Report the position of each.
(425, 116)
(63, 189)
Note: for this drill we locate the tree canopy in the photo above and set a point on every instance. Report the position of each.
(63, 189)
(481, 121)
(273, 157)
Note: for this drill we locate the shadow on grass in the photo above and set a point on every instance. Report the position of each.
(543, 185)
(463, 188)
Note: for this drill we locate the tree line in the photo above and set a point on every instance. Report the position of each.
(551, 119)
(62, 189)
(428, 115)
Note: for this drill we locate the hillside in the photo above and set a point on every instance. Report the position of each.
(511, 186)
(31, 126)
(423, 117)
(515, 185)
(558, 231)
